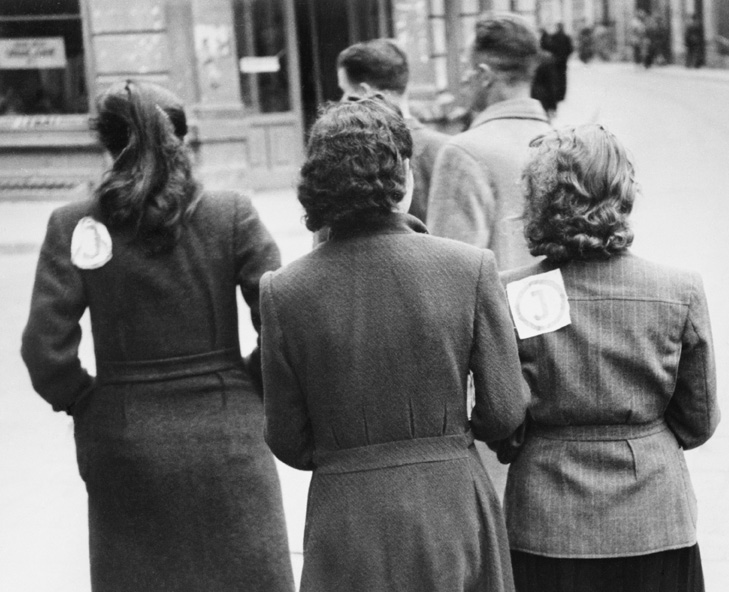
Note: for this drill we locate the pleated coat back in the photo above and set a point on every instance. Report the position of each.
(367, 343)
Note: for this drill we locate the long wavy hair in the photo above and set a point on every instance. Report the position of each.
(354, 170)
(579, 187)
(149, 189)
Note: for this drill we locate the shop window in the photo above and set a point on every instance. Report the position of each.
(260, 30)
(42, 58)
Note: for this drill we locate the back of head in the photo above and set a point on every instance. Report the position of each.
(508, 44)
(379, 63)
(580, 188)
(149, 186)
(354, 171)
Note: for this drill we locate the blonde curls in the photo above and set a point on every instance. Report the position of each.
(580, 187)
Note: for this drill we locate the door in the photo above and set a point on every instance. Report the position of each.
(269, 72)
(325, 28)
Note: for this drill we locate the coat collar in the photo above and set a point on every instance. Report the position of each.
(512, 109)
(395, 223)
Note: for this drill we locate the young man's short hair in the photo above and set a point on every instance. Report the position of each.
(379, 63)
(508, 44)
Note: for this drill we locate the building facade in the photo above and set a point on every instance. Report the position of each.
(252, 72)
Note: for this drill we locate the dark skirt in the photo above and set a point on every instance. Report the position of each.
(183, 493)
(678, 570)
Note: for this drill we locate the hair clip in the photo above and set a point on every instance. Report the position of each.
(163, 112)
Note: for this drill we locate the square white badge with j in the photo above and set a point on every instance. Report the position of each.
(539, 304)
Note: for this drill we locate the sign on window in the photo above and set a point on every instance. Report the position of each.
(32, 53)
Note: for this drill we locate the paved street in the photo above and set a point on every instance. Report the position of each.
(674, 122)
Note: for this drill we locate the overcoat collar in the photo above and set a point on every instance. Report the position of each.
(395, 223)
(512, 109)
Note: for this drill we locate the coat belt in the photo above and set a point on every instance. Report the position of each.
(168, 368)
(394, 454)
(597, 432)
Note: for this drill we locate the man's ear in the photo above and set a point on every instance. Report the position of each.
(485, 73)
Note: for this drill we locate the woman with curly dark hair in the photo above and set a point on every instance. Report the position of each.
(183, 493)
(618, 355)
(367, 344)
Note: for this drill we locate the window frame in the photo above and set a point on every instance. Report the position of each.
(58, 129)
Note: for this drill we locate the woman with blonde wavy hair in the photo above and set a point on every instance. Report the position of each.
(618, 355)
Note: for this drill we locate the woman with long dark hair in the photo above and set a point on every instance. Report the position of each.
(367, 343)
(618, 355)
(183, 493)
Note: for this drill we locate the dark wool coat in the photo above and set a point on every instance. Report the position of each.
(367, 343)
(183, 492)
(616, 396)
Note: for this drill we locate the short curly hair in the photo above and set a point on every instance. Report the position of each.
(580, 187)
(354, 174)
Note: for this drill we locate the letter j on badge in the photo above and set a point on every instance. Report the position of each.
(539, 304)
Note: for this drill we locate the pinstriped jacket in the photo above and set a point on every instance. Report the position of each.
(616, 397)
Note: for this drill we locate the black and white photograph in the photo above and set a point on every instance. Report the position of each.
(364, 295)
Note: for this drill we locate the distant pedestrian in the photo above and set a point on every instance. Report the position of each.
(183, 493)
(651, 40)
(586, 45)
(619, 357)
(380, 65)
(637, 36)
(604, 42)
(695, 43)
(544, 84)
(367, 343)
(663, 41)
(559, 44)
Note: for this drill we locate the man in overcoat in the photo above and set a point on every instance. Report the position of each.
(475, 193)
(475, 196)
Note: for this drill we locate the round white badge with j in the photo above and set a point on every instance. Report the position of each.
(90, 244)
(539, 304)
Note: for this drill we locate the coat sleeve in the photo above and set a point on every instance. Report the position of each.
(287, 425)
(52, 335)
(501, 392)
(461, 202)
(693, 411)
(256, 253)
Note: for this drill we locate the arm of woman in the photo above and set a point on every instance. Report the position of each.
(501, 393)
(287, 425)
(693, 411)
(256, 253)
(52, 335)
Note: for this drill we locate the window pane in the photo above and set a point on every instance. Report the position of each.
(260, 30)
(41, 58)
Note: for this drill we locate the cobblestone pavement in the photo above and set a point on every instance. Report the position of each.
(675, 123)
